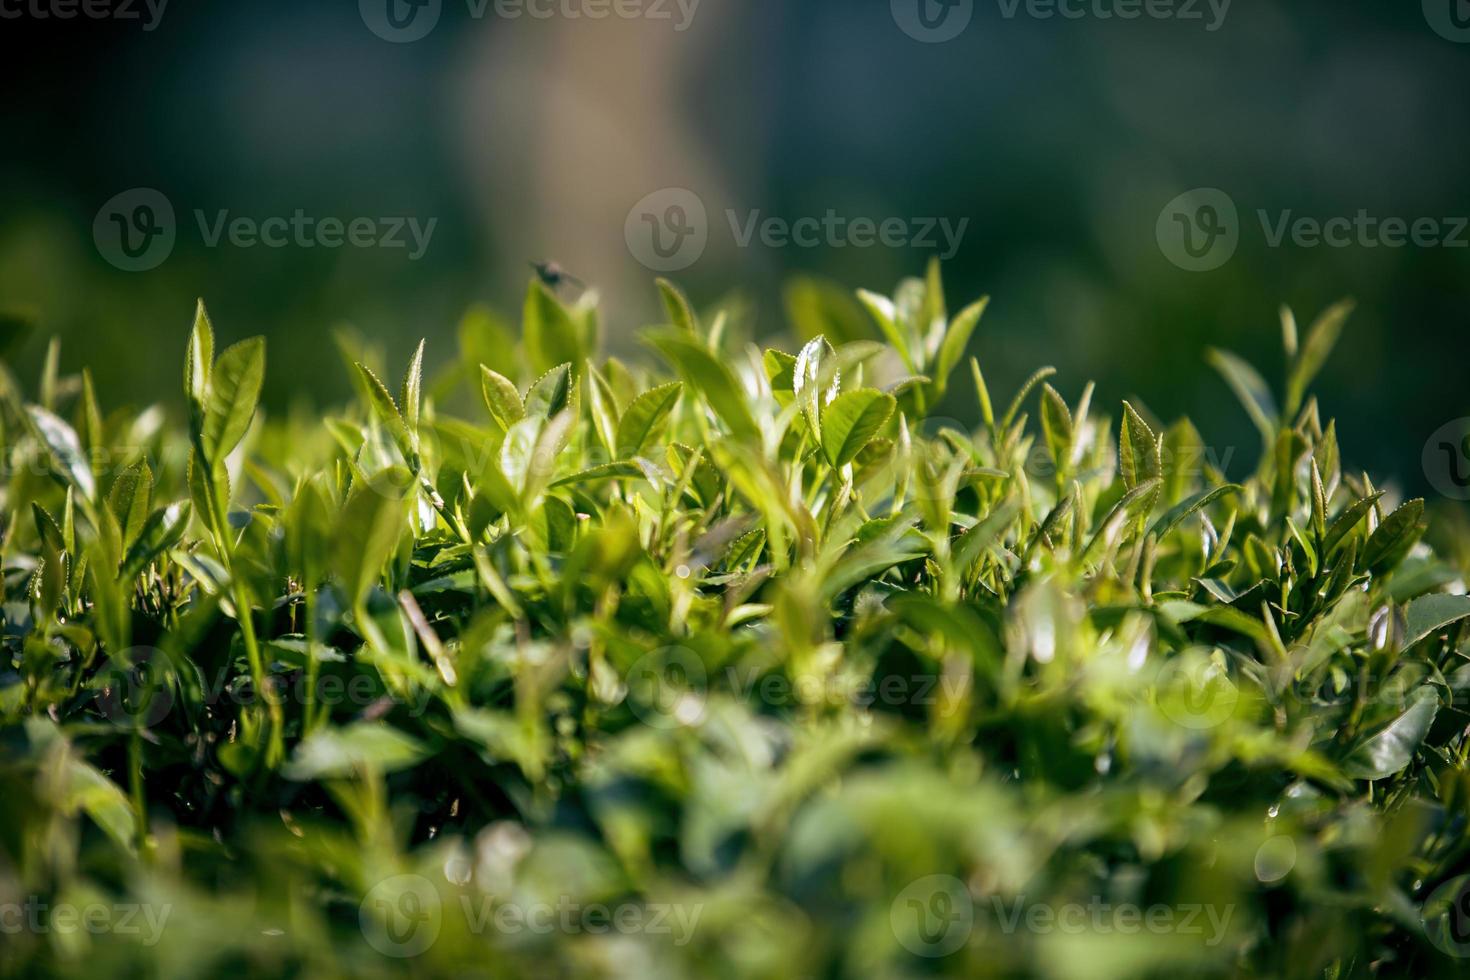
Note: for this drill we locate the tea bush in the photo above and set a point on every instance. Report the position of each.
(746, 665)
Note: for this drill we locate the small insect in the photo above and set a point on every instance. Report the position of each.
(554, 276)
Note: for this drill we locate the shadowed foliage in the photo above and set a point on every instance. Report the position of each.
(746, 649)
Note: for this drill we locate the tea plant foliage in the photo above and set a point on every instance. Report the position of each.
(755, 636)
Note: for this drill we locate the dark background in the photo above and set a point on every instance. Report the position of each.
(1059, 140)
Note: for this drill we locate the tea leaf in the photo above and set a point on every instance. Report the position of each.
(501, 398)
(234, 390)
(851, 421)
(645, 415)
(552, 337)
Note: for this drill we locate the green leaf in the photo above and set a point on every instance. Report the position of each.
(1290, 448)
(817, 308)
(982, 393)
(209, 490)
(618, 469)
(493, 493)
(198, 361)
(1138, 502)
(387, 412)
(851, 421)
(780, 370)
(1321, 338)
(1020, 399)
(1344, 523)
(957, 626)
(1180, 512)
(1139, 453)
(552, 336)
(89, 416)
(130, 498)
(1250, 388)
(952, 348)
(484, 338)
(47, 529)
(65, 449)
(1394, 537)
(1183, 457)
(1056, 425)
(711, 378)
(1432, 613)
(83, 787)
(413, 386)
(1319, 504)
(1392, 749)
(501, 398)
(809, 385)
(1288, 332)
(308, 530)
(163, 529)
(234, 390)
(365, 535)
(641, 422)
(529, 454)
(985, 533)
(885, 314)
(550, 393)
(935, 312)
(602, 406)
(681, 314)
(358, 749)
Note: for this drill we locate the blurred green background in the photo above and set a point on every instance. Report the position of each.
(1058, 140)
